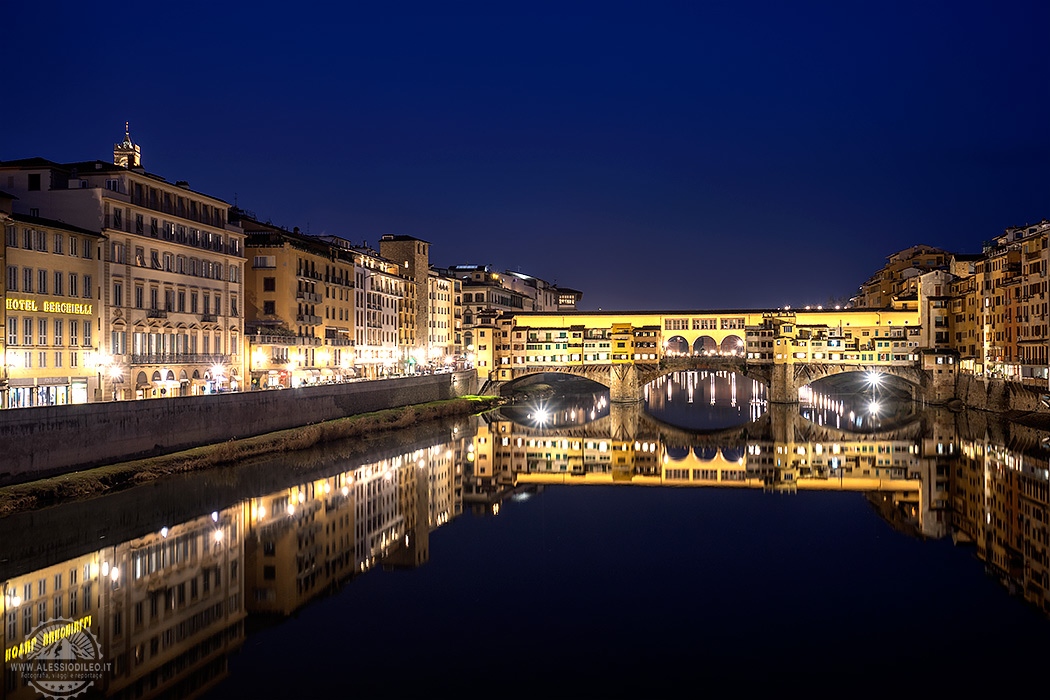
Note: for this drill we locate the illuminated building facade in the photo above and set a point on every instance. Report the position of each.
(299, 307)
(1012, 279)
(880, 290)
(568, 299)
(412, 257)
(172, 269)
(486, 295)
(379, 288)
(534, 342)
(51, 314)
(965, 321)
(441, 319)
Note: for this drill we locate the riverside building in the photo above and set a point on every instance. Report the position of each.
(170, 321)
(51, 345)
(299, 307)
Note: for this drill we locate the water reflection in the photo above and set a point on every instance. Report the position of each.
(867, 406)
(929, 473)
(169, 606)
(170, 603)
(705, 400)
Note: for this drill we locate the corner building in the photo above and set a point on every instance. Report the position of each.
(51, 315)
(170, 321)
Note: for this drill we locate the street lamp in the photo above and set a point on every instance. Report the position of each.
(256, 371)
(116, 376)
(99, 359)
(218, 374)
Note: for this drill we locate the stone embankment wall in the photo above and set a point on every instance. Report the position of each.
(47, 441)
(999, 395)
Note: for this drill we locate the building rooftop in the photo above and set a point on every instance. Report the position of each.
(53, 223)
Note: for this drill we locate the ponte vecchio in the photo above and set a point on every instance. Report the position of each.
(784, 348)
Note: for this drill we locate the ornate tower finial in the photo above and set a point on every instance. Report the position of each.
(126, 154)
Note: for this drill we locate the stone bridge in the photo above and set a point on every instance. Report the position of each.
(626, 381)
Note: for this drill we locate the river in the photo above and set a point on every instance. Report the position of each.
(703, 541)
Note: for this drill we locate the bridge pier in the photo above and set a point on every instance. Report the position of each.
(623, 418)
(783, 423)
(782, 385)
(625, 385)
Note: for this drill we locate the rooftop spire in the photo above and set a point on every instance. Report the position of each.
(127, 154)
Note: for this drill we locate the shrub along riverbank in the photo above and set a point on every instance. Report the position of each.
(96, 482)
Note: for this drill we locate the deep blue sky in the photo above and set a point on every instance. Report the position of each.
(653, 155)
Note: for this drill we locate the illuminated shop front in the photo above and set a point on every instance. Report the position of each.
(46, 391)
(47, 346)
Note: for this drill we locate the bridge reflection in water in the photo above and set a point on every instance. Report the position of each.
(170, 597)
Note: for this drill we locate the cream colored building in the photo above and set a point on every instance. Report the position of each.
(52, 350)
(299, 306)
(171, 294)
(379, 289)
(441, 319)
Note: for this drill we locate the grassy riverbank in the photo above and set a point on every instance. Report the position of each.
(96, 482)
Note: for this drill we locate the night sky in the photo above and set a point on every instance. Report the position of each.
(656, 155)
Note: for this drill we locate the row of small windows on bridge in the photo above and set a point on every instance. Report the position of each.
(855, 357)
(597, 357)
(703, 324)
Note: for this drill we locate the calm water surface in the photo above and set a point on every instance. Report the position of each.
(704, 542)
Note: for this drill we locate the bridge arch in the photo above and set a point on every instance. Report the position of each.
(732, 345)
(705, 453)
(676, 345)
(873, 375)
(675, 453)
(705, 345)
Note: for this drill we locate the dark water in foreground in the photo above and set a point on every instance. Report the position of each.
(569, 548)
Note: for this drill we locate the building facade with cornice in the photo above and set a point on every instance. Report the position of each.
(171, 290)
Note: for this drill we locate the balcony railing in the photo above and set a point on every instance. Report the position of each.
(179, 359)
(309, 296)
(308, 319)
(156, 313)
(209, 318)
(283, 340)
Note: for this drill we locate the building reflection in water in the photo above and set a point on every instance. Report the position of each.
(705, 400)
(929, 473)
(169, 606)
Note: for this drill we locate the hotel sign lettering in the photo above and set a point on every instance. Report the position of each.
(50, 307)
